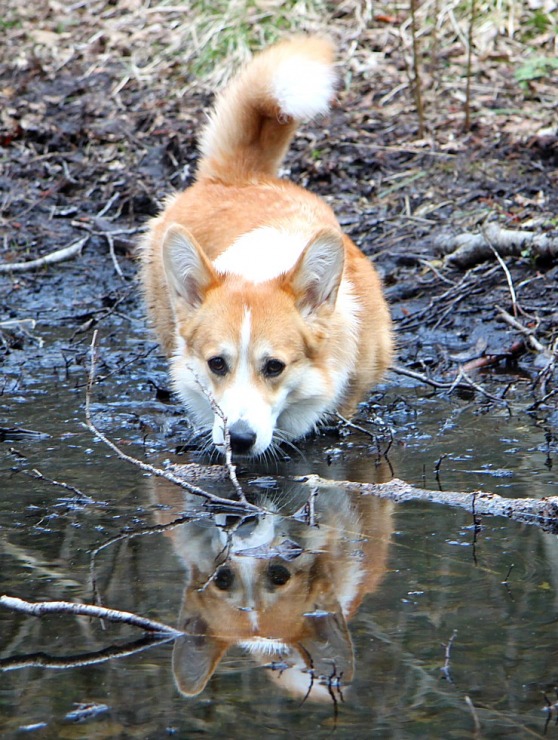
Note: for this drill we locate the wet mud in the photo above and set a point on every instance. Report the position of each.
(470, 404)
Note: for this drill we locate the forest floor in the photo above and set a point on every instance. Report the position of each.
(91, 141)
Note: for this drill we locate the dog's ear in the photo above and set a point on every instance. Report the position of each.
(316, 277)
(188, 271)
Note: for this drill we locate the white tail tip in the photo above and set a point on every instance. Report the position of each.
(303, 88)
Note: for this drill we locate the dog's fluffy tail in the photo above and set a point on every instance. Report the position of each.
(256, 115)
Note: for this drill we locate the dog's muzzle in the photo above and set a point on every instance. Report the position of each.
(242, 437)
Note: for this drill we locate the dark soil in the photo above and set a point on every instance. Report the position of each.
(78, 159)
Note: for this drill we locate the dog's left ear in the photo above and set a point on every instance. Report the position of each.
(188, 271)
(316, 277)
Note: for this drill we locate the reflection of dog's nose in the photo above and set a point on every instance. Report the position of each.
(242, 437)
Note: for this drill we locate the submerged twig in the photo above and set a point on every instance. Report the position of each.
(446, 669)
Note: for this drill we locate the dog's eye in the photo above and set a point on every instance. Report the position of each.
(278, 575)
(273, 368)
(224, 578)
(218, 365)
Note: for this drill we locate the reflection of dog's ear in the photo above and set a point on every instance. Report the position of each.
(195, 657)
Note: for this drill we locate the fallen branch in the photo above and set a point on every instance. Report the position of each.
(543, 512)
(39, 608)
(467, 249)
(59, 255)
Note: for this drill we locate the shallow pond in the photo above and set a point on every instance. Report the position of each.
(376, 621)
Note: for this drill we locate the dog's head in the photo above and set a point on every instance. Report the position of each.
(249, 354)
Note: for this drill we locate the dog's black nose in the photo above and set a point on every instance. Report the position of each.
(242, 437)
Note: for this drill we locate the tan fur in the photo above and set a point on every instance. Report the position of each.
(236, 192)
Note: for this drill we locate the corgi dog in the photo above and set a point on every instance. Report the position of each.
(273, 588)
(270, 315)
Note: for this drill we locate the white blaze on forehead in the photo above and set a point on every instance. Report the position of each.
(262, 254)
(245, 334)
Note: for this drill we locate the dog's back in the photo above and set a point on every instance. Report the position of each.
(263, 304)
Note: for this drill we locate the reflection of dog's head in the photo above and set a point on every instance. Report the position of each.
(278, 588)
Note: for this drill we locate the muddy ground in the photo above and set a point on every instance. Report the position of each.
(82, 155)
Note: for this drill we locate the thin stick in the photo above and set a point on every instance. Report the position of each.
(39, 608)
(416, 70)
(506, 272)
(39, 476)
(467, 124)
(59, 255)
(461, 380)
(226, 434)
(110, 240)
(529, 333)
(446, 670)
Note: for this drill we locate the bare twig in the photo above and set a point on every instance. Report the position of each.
(39, 608)
(461, 380)
(48, 259)
(476, 720)
(117, 268)
(226, 434)
(506, 272)
(470, 35)
(417, 83)
(529, 333)
(83, 497)
(445, 669)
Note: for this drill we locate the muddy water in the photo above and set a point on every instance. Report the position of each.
(395, 622)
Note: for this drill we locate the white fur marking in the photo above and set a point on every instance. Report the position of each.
(264, 646)
(261, 254)
(245, 335)
(303, 88)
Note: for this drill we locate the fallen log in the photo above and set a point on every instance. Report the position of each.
(542, 512)
(468, 249)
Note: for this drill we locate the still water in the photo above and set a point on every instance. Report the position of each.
(377, 621)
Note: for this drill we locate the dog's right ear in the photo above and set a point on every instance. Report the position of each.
(188, 271)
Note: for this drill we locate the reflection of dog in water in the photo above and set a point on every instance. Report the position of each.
(276, 587)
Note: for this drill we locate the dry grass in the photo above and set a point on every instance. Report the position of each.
(177, 46)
